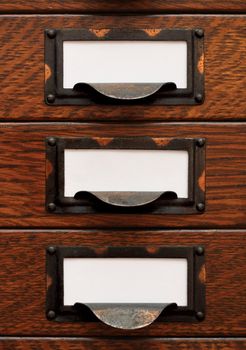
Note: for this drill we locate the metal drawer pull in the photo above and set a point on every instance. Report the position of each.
(127, 199)
(127, 316)
(125, 91)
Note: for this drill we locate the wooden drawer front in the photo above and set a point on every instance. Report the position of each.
(23, 281)
(76, 6)
(23, 184)
(121, 344)
(22, 69)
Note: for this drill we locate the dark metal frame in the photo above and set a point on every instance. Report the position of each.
(54, 264)
(55, 94)
(57, 203)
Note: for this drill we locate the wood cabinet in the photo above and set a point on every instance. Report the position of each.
(29, 224)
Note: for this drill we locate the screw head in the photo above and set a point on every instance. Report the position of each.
(199, 33)
(199, 250)
(51, 141)
(51, 206)
(51, 33)
(200, 315)
(198, 98)
(200, 142)
(200, 206)
(50, 98)
(51, 314)
(51, 250)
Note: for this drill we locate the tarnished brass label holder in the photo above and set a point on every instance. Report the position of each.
(133, 202)
(83, 93)
(125, 316)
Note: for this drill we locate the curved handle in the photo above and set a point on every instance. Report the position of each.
(127, 91)
(127, 316)
(129, 199)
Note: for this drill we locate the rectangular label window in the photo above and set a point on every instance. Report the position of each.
(125, 280)
(124, 62)
(125, 174)
(126, 170)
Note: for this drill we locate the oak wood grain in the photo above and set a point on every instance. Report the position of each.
(22, 175)
(103, 6)
(121, 344)
(22, 69)
(23, 281)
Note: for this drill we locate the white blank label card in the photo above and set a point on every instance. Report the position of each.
(124, 62)
(96, 170)
(125, 280)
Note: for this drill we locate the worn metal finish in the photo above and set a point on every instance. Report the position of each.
(200, 315)
(152, 202)
(51, 141)
(128, 316)
(51, 250)
(51, 207)
(200, 207)
(199, 250)
(50, 98)
(51, 33)
(51, 315)
(127, 91)
(127, 199)
(84, 93)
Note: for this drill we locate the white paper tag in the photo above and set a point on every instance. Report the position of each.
(125, 170)
(126, 280)
(124, 62)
